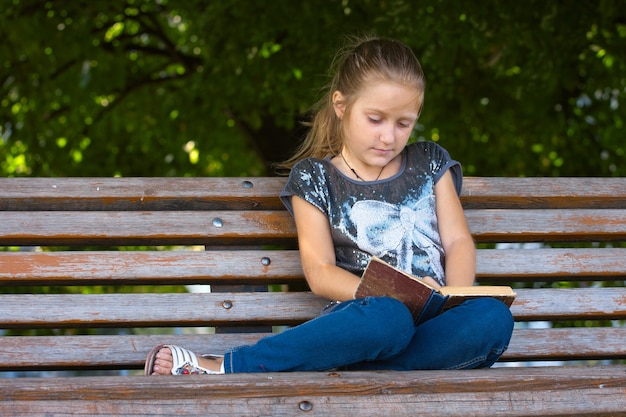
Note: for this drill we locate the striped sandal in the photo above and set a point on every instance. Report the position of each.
(185, 361)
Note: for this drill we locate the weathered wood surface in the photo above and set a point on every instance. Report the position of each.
(262, 308)
(267, 227)
(146, 228)
(145, 194)
(535, 225)
(150, 267)
(485, 393)
(280, 266)
(543, 193)
(238, 218)
(551, 264)
(262, 193)
(23, 353)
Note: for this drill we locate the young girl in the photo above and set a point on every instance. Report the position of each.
(356, 189)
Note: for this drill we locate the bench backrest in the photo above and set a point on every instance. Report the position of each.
(97, 271)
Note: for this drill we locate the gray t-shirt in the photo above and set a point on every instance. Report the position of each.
(394, 218)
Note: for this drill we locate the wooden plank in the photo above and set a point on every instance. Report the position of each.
(271, 308)
(597, 391)
(280, 266)
(146, 228)
(494, 225)
(156, 310)
(262, 193)
(258, 227)
(144, 194)
(547, 264)
(570, 304)
(576, 343)
(105, 351)
(544, 193)
(24, 353)
(150, 267)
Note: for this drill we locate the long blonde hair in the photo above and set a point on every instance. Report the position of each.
(360, 62)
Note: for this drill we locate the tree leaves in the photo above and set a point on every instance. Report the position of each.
(122, 88)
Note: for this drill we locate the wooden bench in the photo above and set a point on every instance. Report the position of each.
(97, 312)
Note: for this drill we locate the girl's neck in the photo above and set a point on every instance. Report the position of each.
(348, 168)
(354, 171)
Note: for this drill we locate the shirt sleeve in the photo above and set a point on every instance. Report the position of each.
(308, 181)
(442, 162)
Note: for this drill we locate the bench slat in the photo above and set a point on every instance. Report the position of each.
(251, 266)
(236, 193)
(146, 228)
(482, 393)
(543, 193)
(495, 225)
(144, 194)
(218, 309)
(266, 227)
(570, 304)
(575, 343)
(547, 264)
(146, 310)
(145, 267)
(23, 353)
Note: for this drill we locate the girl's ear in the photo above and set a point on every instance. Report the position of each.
(339, 104)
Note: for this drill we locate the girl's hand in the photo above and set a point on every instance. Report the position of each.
(431, 281)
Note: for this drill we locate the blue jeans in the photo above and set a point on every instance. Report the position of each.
(379, 333)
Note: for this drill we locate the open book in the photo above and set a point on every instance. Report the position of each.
(423, 300)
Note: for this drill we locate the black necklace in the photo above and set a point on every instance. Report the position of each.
(354, 172)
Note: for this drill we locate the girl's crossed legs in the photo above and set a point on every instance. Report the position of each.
(373, 333)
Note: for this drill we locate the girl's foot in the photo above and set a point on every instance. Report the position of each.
(163, 362)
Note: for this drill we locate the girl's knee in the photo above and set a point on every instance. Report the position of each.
(491, 308)
(388, 317)
(496, 318)
(387, 327)
(500, 313)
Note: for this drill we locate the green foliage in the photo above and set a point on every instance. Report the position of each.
(197, 88)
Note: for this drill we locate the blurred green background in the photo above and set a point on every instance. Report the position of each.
(218, 88)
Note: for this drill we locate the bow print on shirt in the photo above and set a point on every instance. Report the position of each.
(383, 228)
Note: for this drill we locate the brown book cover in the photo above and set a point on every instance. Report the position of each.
(423, 300)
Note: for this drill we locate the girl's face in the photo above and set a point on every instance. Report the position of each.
(377, 126)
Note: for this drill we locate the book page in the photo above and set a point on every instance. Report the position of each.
(477, 290)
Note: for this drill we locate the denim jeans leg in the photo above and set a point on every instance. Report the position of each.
(472, 335)
(367, 329)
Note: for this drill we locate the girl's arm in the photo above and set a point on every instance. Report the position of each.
(317, 254)
(455, 234)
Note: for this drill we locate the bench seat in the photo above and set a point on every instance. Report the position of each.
(97, 271)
